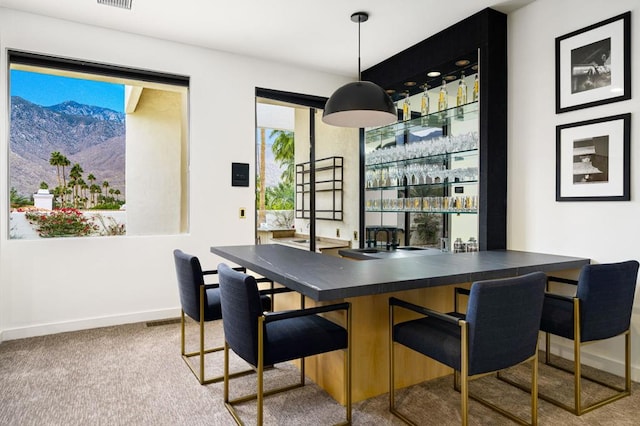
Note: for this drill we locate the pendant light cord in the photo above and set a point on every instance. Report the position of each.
(359, 72)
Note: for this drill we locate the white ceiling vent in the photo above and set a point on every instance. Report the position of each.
(124, 4)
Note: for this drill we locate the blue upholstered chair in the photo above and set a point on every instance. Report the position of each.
(499, 330)
(201, 303)
(600, 309)
(270, 338)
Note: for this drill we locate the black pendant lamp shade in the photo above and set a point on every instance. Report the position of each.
(361, 103)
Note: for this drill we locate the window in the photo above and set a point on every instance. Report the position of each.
(95, 150)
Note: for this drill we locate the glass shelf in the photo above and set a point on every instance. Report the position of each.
(430, 159)
(421, 185)
(437, 204)
(423, 211)
(438, 119)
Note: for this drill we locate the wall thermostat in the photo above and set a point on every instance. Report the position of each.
(239, 174)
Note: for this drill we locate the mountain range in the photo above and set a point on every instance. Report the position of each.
(91, 136)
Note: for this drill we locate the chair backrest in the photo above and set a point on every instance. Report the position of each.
(606, 299)
(241, 307)
(504, 319)
(190, 278)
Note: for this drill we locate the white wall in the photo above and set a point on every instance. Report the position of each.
(602, 231)
(55, 285)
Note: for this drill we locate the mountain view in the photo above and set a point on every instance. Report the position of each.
(92, 136)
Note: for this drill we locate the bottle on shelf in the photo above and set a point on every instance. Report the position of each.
(461, 96)
(406, 108)
(476, 89)
(424, 103)
(443, 97)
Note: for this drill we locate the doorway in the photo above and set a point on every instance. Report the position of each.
(320, 208)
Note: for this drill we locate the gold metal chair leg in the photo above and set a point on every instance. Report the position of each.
(202, 380)
(392, 385)
(534, 389)
(260, 391)
(201, 352)
(464, 372)
(182, 333)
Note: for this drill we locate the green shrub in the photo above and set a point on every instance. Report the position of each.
(113, 205)
(65, 222)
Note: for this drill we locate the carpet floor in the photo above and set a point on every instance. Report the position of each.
(134, 375)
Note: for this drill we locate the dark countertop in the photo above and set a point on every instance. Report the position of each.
(323, 277)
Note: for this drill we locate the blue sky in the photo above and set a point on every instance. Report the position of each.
(47, 90)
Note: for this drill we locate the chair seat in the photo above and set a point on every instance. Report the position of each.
(432, 337)
(300, 337)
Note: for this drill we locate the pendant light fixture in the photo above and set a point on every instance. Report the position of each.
(360, 103)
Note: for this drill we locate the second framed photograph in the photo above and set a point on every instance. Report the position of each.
(592, 159)
(593, 65)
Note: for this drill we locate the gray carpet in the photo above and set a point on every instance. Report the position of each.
(134, 375)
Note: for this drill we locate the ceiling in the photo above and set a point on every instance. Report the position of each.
(314, 34)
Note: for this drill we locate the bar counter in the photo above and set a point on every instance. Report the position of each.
(367, 285)
(324, 278)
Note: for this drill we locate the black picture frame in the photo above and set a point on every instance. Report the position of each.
(593, 159)
(593, 65)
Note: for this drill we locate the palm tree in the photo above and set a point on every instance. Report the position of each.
(64, 161)
(82, 192)
(76, 175)
(91, 178)
(72, 184)
(93, 190)
(281, 197)
(284, 151)
(56, 160)
(105, 185)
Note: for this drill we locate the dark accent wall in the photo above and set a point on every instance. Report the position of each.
(486, 33)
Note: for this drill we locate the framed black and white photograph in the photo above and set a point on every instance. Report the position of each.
(593, 65)
(592, 159)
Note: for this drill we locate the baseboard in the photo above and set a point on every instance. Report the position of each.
(84, 324)
(605, 363)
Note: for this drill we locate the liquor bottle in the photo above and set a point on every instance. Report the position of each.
(424, 105)
(476, 89)
(442, 97)
(406, 108)
(461, 97)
